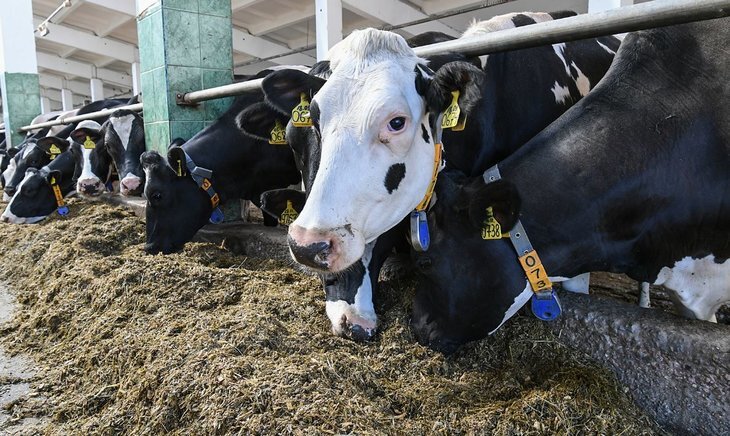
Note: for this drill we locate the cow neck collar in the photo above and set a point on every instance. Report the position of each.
(202, 177)
(420, 238)
(545, 302)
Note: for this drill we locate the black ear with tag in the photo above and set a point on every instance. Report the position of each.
(258, 120)
(276, 201)
(176, 160)
(476, 196)
(455, 76)
(11, 152)
(80, 135)
(423, 79)
(54, 177)
(53, 145)
(283, 88)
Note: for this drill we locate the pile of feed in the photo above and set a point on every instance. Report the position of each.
(207, 342)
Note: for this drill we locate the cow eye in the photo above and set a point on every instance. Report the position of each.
(397, 124)
(157, 196)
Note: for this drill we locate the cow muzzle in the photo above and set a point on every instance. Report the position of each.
(130, 185)
(326, 251)
(90, 186)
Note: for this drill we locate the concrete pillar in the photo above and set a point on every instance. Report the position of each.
(328, 15)
(97, 89)
(45, 105)
(135, 79)
(184, 46)
(604, 5)
(18, 69)
(67, 99)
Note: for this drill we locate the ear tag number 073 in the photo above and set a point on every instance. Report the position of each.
(545, 303)
(300, 114)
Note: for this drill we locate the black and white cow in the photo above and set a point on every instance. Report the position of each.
(242, 167)
(374, 116)
(124, 141)
(633, 179)
(94, 161)
(512, 100)
(35, 199)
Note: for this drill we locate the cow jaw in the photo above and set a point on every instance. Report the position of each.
(370, 175)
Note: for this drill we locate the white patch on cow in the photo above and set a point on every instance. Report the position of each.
(362, 311)
(605, 47)
(581, 82)
(561, 93)
(302, 68)
(700, 285)
(559, 50)
(55, 130)
(519, 301)
(502, 22)
(26, 150)
(11, 217)
(8, 174)
(123, 127)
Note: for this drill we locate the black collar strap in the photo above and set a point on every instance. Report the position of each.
(202, 176)
(545, 302)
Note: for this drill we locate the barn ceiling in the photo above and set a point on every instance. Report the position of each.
(98, 38)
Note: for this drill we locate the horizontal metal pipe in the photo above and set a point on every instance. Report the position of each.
(218, 92)
(91, 115)
(626, 19)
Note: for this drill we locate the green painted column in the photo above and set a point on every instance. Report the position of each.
(184, 45)
(18, 69)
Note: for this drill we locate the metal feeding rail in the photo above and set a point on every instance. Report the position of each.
(73, 119)
(621, 20)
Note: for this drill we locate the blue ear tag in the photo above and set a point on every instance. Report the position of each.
(63, 210)
(420, 238)
(546, 305)
(217, 216)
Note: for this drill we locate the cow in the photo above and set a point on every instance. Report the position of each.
(16, 172)
(633, 179)
(35, 198)
(92, 157)
(378, 107)
(219, 163)
(124, 141)
(498, 126)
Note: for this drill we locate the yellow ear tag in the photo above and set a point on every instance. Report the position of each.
(179, 168)
(289, 214)
(300, 113)
(492, 229)
(53, 180)
(278, 134)
(451, 114)
(54, 151)
(89, 144)
(461, 125)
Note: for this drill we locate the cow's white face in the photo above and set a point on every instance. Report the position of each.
(377, 151)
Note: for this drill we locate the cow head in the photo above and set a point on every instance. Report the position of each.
(124, 141)
(377, 149)
(30, 156)
(467, 286)
(92, 158)
(176, 207)
(34, 199)
(7, 166)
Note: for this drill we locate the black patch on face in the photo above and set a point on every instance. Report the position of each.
(395, 175)
(425, 134)
(522, 20)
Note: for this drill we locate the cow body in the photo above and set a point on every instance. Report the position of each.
(376, 113)
(242, 167)
(640, 170)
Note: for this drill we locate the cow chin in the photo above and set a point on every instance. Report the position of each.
(349, 322)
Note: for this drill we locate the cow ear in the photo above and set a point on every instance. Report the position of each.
(150, 159)
(283, 204)
(52, 144)
(501, 196)
(177, 142)
(283, 88)
(455, 76)
(11, 152)
(259, 119)
(176, 159)
(53, 176)
(80, 135)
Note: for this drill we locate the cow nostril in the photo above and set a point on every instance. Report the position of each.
(314, 255)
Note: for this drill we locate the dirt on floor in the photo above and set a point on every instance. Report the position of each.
(207, 342)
